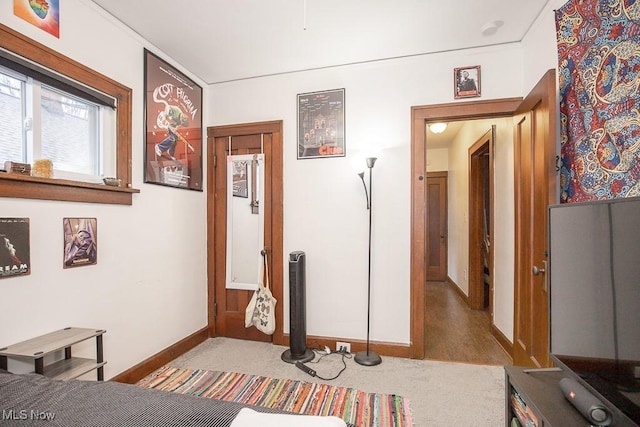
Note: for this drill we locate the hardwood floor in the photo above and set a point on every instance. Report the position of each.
(456, 333)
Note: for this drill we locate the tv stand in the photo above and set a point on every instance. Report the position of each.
(533, 397)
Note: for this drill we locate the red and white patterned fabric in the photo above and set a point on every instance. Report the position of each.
(599, 72)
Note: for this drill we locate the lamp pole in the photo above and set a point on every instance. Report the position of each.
(368, 358)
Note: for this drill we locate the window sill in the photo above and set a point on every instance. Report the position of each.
(31, 187)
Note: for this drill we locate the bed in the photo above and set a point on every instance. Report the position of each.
(32, 399)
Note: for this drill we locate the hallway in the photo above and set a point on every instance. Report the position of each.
(455, 333)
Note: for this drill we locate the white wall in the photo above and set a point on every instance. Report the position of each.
(148, 289)
(540, 46)
(324, 201)
(437, 159)
(458, 214)
(504, 228)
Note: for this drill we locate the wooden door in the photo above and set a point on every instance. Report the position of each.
(535, 189)
(227, 306)
(437, 232)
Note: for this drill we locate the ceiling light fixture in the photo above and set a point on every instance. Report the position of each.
(437, 127)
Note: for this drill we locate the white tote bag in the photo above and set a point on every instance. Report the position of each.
(261, 310)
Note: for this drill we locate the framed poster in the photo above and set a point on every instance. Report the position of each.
(80, 242)
(14, 247)
(173, 126)
(466, 82)
(321, 124)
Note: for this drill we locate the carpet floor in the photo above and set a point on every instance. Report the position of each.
(442, 394)
(354, 406)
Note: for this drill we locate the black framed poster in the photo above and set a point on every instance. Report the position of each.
(321, 124)
(173, 122)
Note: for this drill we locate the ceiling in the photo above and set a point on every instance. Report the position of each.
(225, 40)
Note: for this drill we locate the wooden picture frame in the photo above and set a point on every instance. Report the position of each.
(466, 82)
(173, 126)
(321, 124)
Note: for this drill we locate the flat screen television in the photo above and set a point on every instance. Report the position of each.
(594, 300)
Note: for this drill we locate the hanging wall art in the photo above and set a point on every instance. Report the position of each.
(321, 124)
(14, 247)
(173, 121)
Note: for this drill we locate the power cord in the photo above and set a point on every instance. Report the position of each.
(324, 353)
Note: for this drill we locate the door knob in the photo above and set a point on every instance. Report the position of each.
(537, 271)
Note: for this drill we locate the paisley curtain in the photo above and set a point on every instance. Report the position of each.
(599, 78)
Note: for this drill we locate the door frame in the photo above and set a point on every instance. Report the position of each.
(484, 145)
(420, 115)
(275, 179)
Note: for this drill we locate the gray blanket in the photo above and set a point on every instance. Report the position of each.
(34, 400)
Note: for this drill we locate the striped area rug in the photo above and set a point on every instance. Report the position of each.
(356, 407)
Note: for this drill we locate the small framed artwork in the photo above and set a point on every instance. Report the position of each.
(240, 187)
(173, 122)
(321, 124)
(466, 82)
(44, 14)
(80, 242)
(14, 247)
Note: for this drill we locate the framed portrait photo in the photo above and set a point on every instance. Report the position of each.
(173, 126)
(321, 124)
(466, 82)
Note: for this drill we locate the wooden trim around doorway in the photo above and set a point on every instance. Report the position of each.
(483, 146)
(420, 115)
(275, 128)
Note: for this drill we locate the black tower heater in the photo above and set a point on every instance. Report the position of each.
(298, 350)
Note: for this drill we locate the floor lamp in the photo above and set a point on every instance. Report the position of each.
(368, 358)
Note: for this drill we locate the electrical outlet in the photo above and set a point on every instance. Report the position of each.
(343, 346)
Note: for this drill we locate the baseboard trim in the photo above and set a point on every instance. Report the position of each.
(504, 342)
(144, 368)
(458, 290)
(381, 348)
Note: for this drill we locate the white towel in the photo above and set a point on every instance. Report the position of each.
(250, 418)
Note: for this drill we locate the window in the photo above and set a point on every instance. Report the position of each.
(45, 122)
(82, 124)
(11, 110)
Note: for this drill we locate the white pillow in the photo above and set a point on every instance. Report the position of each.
(250, 418)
